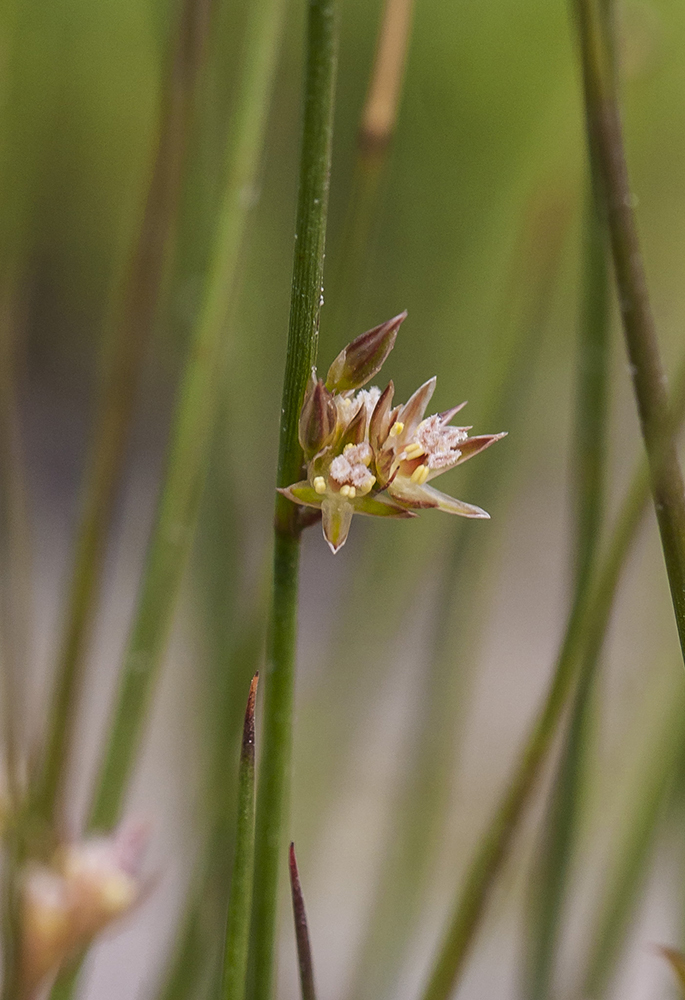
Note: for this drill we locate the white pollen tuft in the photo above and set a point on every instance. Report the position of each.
(439, 442)
(340, 469)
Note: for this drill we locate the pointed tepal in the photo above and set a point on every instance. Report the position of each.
(317, 419)
(364, 357)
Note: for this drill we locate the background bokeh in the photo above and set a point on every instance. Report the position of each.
(476, 231)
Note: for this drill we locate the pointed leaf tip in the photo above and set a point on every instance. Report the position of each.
(364, 356)
(304, 952)
(248, 746)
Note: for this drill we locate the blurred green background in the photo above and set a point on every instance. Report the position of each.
(476, 231)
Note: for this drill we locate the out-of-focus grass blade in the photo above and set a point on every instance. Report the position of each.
(581, 645)
(550, 868)
(419, 811)
(630, 855)
(194, 955)
(194, 421)
(374, 141)
(240, 899)
(304, 951)
(131, 331)
(15, 549)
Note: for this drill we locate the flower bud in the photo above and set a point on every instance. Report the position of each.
(317, 419)
(360, 360)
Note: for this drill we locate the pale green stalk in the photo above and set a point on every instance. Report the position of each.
(194, 956)
(191, 433)
(590, 430)
(193, 422)
(240, 899)
(307, 296)
(133, 323)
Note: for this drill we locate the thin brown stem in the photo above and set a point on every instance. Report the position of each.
(385, 87)
(304, 951)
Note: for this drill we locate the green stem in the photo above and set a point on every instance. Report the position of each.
(194, 950)
(240, 900)
(133, 324)
(194, 420)
(553, 858)
(581, 645)
(649, 381)
(307, 292)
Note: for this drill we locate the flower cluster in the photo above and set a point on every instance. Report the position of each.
(63, 905)
(366, 456)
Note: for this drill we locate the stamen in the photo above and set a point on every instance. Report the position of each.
(320, 484)
(413, 450)
(345, 490)
(352, 492)
(366, 486)
(420, 475)
(396, 429)
(348, 448)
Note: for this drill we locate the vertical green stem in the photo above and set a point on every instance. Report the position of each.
(649, 381)
(307, 293)
(553, 858)
(240, 901)
(133, 324)
(193, 423)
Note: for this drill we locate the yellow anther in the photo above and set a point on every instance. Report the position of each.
(368, 483)
(353, 492)
(413, 450)
(345, 490)
(367, 459)
(347, 448)
(320, 484)
(396, 429)
(420, 475)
